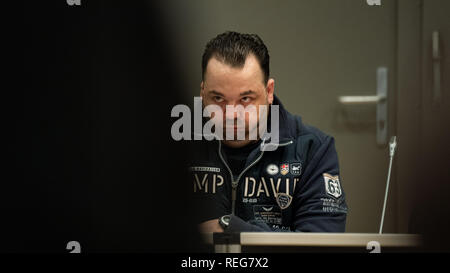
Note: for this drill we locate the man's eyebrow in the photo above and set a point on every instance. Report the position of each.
(249, 92)
(215, 92)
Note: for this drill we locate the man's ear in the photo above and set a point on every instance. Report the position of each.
(270, 89)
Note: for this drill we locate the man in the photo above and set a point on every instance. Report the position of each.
(240, 185)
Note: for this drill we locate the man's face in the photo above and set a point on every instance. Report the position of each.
(226, 85)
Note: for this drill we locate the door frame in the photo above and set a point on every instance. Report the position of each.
(408, 113)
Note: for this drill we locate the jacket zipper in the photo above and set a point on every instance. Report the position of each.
(234, 183)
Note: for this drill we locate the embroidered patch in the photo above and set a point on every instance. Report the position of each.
(284, 200)
(284, 168)
(332, 185)
(296, 168)
(271, 214)
(205, 169)
(272, 169)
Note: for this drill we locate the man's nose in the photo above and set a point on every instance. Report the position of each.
(232, 112)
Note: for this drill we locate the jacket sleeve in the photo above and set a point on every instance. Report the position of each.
(319, 200)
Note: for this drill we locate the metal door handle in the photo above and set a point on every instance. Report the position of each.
(360, 99)
(380, 99)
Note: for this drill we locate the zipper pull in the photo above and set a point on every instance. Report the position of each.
(234, 185)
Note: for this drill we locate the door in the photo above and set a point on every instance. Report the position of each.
(423, 112)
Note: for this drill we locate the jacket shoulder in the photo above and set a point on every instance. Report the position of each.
(310, 139)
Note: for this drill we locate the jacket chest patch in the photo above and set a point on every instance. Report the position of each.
(268, 187)
(204, 169)
(284, 200)
(207, 182)
(272, 169)
(268, 213)
(284, 168)
(207, 179)
(295, 168)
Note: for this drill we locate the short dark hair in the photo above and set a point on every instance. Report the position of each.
(233, 48)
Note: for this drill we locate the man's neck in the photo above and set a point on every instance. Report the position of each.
(235, 144)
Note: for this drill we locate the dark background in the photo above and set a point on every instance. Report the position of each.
(93, 160)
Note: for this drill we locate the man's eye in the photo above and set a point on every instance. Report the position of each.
(218, 99)
(246, 99)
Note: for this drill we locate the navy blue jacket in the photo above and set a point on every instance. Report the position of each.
(293, 188)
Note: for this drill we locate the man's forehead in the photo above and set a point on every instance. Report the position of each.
(221, 73)
(243, 93)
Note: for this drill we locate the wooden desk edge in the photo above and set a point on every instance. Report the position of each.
(324, 239)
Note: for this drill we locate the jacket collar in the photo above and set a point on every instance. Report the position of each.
(287, 125)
